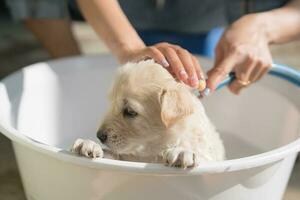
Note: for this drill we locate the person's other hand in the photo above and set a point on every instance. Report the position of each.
(244, 49)
(178, 61)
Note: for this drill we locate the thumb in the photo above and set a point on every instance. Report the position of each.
(220, 70)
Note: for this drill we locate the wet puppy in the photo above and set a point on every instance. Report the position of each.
(153, 118)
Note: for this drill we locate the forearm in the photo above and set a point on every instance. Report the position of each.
(110, 23)
(283, 24)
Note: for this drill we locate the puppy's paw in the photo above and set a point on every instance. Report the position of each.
(179, 157)
(87, 148)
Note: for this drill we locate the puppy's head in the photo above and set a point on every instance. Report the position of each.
(146, 102)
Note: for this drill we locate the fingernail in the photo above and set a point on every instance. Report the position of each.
(165, 63)
(194, 81)
(206, 92)
(183, 74)
(202, 76)
(201, 85)
(196, 92)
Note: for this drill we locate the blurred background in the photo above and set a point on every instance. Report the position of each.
(19, 48)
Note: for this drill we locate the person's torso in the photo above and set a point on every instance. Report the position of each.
(190, 16)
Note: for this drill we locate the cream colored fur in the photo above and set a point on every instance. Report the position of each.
(170, 127)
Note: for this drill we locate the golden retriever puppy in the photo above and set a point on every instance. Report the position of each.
(154, 118)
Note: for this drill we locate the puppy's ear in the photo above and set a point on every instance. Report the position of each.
(176, 103)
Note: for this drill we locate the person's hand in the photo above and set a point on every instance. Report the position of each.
(178, 61)
(244, 49)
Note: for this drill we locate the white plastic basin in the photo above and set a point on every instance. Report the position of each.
(46, 106)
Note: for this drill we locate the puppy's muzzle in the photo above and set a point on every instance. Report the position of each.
(102, 135)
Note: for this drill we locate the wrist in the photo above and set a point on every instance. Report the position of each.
(263, 23)
(124, 52)
(266, 25)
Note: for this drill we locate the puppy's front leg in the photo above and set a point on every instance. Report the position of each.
(87, 148)
(179, 157)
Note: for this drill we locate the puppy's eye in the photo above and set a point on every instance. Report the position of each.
(128, 112)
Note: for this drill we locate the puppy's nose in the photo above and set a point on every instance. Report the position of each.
(102, 135)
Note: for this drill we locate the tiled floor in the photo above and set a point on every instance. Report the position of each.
(18, 48)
